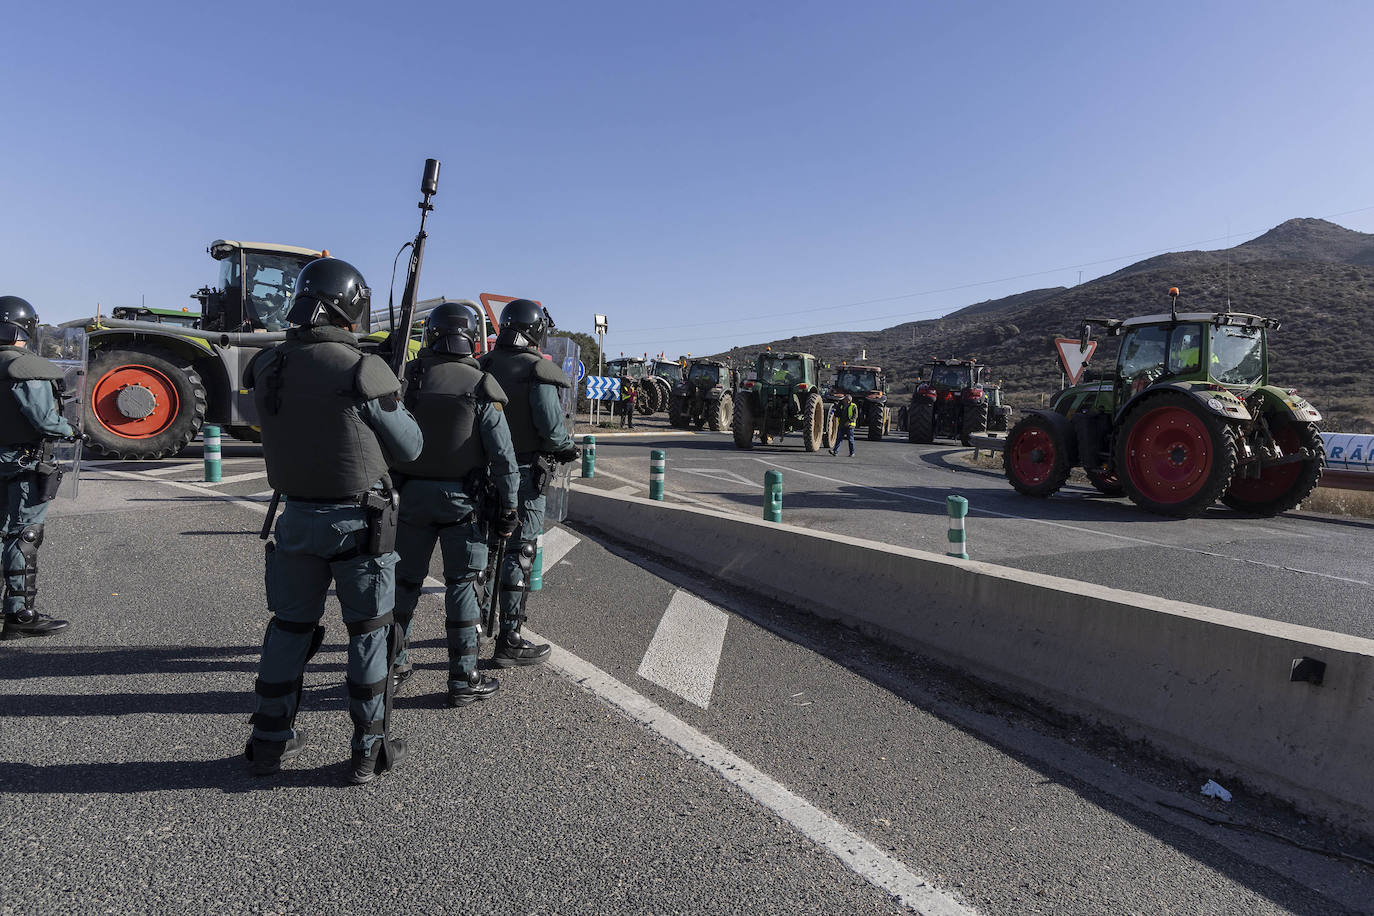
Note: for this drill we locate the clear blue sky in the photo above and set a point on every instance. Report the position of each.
(682, 168)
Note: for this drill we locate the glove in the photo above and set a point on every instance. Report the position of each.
(571, 453)
(507, 523)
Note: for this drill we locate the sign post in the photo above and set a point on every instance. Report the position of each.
(601, 328)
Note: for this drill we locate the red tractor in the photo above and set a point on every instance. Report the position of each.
(951, 402)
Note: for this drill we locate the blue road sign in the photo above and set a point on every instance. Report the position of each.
(603, 388)
(581, 370)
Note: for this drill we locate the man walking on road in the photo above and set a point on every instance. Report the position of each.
(331, 425)
(29, 417)
(848, 413)
(467, 444)
(535, 417)
(627, 402)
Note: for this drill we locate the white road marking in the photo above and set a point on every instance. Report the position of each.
(723, 476)
(862, 857)
(557, 543)
(1041, 521)
(236, 478)
(150, 472)
(685, 651)
(857, 853)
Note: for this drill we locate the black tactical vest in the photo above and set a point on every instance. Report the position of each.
(513, 368)
(18, 364)
(443, 393)
(308, 391)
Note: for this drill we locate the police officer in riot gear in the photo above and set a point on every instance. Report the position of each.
(467, 445)
(332, 423)
(29, 396)
(535, 417)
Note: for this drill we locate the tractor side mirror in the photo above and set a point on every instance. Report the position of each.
(1085, 337)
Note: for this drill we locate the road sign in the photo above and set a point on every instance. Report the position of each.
(1073, 357)
(603, 388)
(581, 370)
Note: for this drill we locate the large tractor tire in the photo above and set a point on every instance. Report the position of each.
(1173, 457)
(920, 424)
(1036, 457)
(646, 398)
(832, 429)
(721, 414)
(813, 425)
(1106, 483)
(143, 404)
(677, 415)
(742, 422)
(876, 424)
(975, 422)
(1284, 486)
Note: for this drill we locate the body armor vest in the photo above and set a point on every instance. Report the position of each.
(18, 364)
(442, 393)
(513, 368)
(315, 441)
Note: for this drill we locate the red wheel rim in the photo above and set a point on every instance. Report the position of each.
(105, 401)
(1272, 482)
(1032, 456)
(1169, 455)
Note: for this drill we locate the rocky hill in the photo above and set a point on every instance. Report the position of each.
(1314, 276)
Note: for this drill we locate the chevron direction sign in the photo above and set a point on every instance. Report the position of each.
(603, 388)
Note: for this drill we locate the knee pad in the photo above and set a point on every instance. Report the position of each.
(31, 534)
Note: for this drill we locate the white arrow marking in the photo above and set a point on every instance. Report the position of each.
(685, 651)
(721, 475)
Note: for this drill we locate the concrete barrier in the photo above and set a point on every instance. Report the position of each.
(1212, 686)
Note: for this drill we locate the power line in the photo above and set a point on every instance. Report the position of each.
(930, 292)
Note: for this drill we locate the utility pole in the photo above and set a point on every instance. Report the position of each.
(601, 328)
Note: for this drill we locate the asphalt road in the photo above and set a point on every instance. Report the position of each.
(688, 750)
(1301, 568)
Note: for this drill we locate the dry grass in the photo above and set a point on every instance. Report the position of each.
(1354, 503)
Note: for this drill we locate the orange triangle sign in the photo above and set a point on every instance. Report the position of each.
(1073, 358)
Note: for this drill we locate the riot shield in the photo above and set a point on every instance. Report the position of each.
(67, 347)
(556, 493)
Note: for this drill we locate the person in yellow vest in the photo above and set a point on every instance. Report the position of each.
(848, 413)
(627, 402)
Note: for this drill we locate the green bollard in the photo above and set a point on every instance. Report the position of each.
(658, 462)
(537, 567)
(209, 438)
(772, 496)
(958, 509)
(589, 456)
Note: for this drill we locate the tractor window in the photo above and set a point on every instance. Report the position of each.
(857, 381)
(951, 377)
(670, 371)
(1237, 355)
(229, 272)
(271, 279)
(1185, 349)
(775, 371)
(709, 373)
(1142, 357)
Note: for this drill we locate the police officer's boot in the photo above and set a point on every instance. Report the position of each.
(366, 767)
(476, 687)
(28, 623)
(266, 757)
(513, 649)
(399, 675)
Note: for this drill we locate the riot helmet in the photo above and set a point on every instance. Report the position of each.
(523, 324)
(453, 328)
(18, 320)
(329, 291)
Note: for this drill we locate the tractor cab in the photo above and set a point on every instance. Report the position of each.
(256, 280)
(667, 370)
(631, 366)
(783, 372)
(708, 372)
(857, 381)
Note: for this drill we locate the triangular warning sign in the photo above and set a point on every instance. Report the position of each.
(1073, 357)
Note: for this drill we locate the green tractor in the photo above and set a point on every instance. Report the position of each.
(157, 375)
(706, 397)
(647, 394)
(1187, 417)
(664, 375)
(783, 397)
(867, 386)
